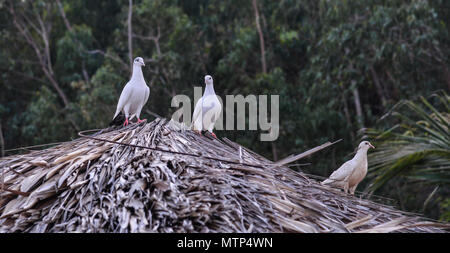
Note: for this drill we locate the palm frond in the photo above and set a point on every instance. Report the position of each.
(417, 147)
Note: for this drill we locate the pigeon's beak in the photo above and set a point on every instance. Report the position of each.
(143, 64)
(371, 146)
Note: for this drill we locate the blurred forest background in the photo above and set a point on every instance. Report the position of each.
(343, 70)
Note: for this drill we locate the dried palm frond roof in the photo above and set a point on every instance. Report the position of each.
(89, 185)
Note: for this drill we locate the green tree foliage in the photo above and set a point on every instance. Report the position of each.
(385, 50)
(337, 65)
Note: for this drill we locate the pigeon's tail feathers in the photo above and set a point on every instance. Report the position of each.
(115, 114)
(118, 119)
(124, 98)
(331, 182)
(196, 123)
(327, 181)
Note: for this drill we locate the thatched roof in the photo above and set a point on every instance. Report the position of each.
(90, 185)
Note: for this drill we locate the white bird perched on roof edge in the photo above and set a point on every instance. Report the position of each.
(134, 95)
(352, 172)
(207, 110)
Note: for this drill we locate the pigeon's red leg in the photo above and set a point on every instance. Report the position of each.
(139, 121)
(126, 122)
(214, 135)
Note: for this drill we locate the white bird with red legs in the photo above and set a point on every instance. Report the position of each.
(352, 172)
(207, 110)
(134, 95)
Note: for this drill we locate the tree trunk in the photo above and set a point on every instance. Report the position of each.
(263, 63)
(58, 89)
(347, 117)
(378, 86)
(130, 38)
(63, 15)
(446, 75)
(2, 142)
(274, 151)
(395, 92)
(358, 107)
(261, 37)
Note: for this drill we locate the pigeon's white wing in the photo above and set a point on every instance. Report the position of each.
(147, 94)
(216, 110)
(124, 98)
(342, 173)
(144, 101)
(196, 116)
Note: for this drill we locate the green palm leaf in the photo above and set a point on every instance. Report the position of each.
(418, 147)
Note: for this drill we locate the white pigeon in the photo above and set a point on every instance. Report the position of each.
(134, 95)
(207, 110)
(352, 172)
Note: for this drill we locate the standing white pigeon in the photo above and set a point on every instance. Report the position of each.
(207, 110)
(352, 172)
(134, 94)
